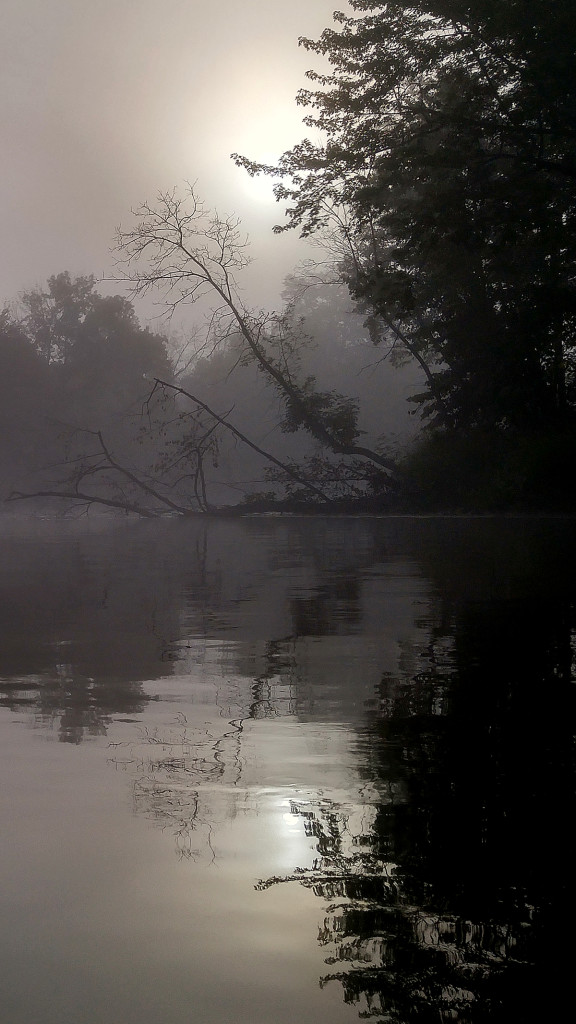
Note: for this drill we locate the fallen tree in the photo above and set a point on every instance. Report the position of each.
(121, 488)
(187, 254)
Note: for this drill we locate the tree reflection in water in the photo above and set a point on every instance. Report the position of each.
(443, 868)
(190, 793)
(445, 883)
(189, 778)
(397, 960)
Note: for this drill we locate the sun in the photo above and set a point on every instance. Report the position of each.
(260, 187)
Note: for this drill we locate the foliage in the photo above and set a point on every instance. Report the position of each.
(111, 425)
(342, 481)
(451, 147)
(24, 398)
(487, 470)
(99, 430)
(338, 413)
(94, 343)
(53, 318)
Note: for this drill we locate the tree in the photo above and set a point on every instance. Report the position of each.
(450, 144)
(191, 255)
(97, 351)
(53, 318)
(101, 434)
(116, 429)
(24, 400)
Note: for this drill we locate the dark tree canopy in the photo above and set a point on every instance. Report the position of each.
(77, 374)
(450, 143)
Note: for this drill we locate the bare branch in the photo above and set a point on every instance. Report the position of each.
(190, 254)
(242, 437)
(91, 499)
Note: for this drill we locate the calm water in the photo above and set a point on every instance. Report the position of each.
(285, 770)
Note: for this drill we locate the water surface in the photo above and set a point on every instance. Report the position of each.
(281, 769)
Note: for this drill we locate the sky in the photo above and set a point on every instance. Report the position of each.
(104, 104)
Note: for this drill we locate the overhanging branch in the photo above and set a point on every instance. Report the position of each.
(242, 437)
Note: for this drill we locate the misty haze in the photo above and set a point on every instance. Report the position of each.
(287, 548)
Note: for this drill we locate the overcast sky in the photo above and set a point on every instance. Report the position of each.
(104, 102)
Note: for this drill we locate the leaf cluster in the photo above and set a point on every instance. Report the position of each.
(450, 141)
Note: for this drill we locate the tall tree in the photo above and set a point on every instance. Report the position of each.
(450, 141)
(53, 317)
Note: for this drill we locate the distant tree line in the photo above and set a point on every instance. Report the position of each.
(75, 371)
(95, 410)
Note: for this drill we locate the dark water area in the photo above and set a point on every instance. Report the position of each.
(286, 769)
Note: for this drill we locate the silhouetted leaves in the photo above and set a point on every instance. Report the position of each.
(450, 147)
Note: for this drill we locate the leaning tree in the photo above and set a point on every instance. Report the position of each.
(189, 255)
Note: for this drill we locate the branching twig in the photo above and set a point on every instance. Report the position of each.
(246, 440)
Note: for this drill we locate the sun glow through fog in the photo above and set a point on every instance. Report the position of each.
(100, 117)
(259, 187)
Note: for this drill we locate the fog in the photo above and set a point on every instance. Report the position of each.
(95, 412)
(105, 107)
(104, 104)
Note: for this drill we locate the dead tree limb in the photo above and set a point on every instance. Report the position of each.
(90, 499)
(179, 248)
(242, 437)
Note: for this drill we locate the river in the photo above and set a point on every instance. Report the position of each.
(285, 769)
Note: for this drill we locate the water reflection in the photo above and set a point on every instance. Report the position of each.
(444, 880)
(395, 696)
